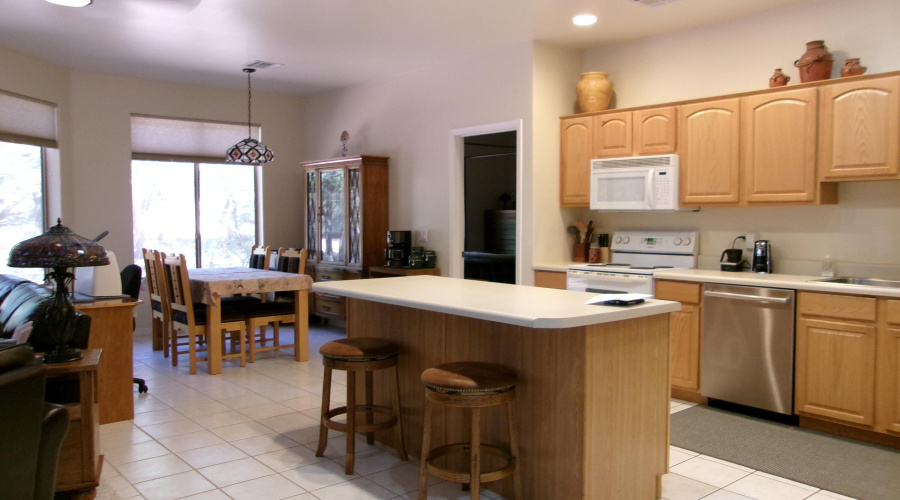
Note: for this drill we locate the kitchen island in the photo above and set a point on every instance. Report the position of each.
(593, 393)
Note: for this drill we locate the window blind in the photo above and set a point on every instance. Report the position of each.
(25, 120)
(159, 138)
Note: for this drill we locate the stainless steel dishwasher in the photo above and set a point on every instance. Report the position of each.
(748, 346)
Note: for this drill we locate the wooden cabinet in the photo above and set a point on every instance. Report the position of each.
(346, 222)
(778, 139)
(709, 151)
(684, 336)
(576, 143)
(641, 132)
(550, 279)
(80, 462)
(654, 131)
(835, 369)
(887, 389)
(859, 127)
(613, 135)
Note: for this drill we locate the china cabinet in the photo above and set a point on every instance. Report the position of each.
(346, 222)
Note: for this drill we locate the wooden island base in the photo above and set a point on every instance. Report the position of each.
(592, 401)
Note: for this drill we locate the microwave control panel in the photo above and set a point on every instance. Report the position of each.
(665, 184)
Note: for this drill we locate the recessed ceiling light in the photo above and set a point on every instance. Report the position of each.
(584, 19)
(71, 3)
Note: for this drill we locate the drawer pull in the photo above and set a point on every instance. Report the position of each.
(327, 296)
(326, 308)
(326, 277)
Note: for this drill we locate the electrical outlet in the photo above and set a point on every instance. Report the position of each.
(749, 240)
(423, 236)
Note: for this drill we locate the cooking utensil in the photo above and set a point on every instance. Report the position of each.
(574, 230)
(582, 227)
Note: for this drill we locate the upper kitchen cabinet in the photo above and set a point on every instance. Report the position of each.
(654, 131)
(612, 135)
(709, 152)
(347, 211)
(640, 132)
(778, 142)
(859, 130)
(576, 147)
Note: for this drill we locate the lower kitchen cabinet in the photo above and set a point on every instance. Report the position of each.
(888, 376)
(328, 306)
(848, 360)
(684, 337)
(550, 279)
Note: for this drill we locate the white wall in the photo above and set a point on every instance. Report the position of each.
(409, 118)
(861, 232)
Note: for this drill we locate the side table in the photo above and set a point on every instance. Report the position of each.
(78, 473)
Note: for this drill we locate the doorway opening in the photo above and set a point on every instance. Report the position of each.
(489, 193)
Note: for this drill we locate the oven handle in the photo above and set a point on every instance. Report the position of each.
(607, 279)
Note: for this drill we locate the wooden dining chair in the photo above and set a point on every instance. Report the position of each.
(189, 318)
(159, 306)
(277, 311)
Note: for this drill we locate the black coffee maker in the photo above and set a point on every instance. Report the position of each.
(397, 252)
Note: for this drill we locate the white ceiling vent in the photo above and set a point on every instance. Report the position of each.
(263, 65)
(654, 3)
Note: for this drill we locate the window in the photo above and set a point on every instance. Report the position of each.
(205, 211)
(22, 203)
(27, 137)
(186, 199)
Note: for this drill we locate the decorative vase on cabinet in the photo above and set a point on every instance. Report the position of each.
(594, 92)
(815, 64)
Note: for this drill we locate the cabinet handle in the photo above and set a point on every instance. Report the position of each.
(326, 308)
(326, 277)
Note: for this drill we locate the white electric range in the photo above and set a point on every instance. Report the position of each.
(634, 255)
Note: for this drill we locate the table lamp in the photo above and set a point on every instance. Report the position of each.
(59, 249)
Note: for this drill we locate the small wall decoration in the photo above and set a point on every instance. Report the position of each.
(344, 138)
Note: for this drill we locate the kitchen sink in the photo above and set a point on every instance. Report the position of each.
(862, 281)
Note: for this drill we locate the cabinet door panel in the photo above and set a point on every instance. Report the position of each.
(779, 146)
(333, 214)
(684, 332)
(888, 388)
(576, 142)
(709, 150)
(860, 129)
(612, 135)
(654, 131)
(835, 376)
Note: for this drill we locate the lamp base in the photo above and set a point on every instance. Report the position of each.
(62, 354)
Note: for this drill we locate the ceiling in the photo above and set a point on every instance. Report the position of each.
(325, 44)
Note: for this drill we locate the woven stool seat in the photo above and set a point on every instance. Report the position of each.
(360, 354)
(473, 385)
(359, 349)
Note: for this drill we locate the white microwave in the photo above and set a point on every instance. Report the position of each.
(635, 183)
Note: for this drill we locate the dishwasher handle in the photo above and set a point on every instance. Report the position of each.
(751, 298)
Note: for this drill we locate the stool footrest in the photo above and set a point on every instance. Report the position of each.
(361, 428)
(464, 449)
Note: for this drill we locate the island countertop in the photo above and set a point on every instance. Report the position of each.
(527, 306)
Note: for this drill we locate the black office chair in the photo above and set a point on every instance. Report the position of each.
(131, 286)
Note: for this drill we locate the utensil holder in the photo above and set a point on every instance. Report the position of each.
(579, 252)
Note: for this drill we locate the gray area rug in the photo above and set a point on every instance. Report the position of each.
(845, 466)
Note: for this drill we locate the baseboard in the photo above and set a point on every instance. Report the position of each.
(851, 432)
(688, 395)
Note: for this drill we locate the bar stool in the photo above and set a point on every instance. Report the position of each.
(354, 355)
(472, 385)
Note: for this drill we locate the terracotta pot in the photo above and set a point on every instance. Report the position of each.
(815, 64)
(594, 92)
(852, 68)
(779, 79)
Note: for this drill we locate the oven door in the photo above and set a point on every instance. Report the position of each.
(605, 282)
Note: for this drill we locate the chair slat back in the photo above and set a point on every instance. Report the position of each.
(291, 260)
(178, 285)
(259, 257)
(151, 272)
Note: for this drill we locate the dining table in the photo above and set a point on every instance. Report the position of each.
(209, 285)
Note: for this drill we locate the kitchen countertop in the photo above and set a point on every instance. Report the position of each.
(527, 306)
(773, 280)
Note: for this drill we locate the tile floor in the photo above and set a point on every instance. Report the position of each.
(252, 433)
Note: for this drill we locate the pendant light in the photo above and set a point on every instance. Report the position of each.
(249, 150)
